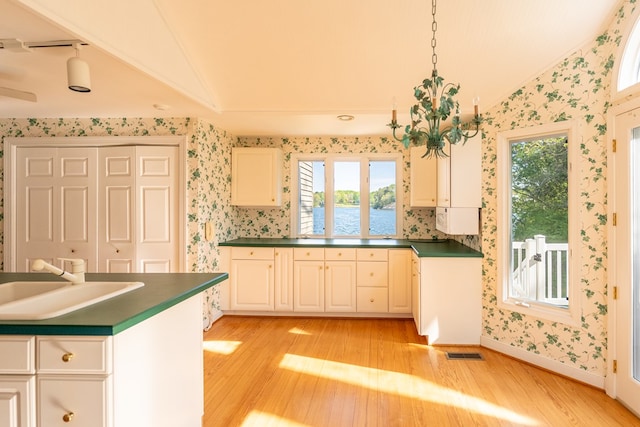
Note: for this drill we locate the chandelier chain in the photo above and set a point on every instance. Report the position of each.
(434, 27)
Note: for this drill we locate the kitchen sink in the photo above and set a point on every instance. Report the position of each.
(44, 300)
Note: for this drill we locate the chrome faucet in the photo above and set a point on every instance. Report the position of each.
(77, 269)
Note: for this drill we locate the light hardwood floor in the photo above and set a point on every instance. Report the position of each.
(379, 373)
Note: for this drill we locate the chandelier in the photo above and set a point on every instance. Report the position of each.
(435, 104)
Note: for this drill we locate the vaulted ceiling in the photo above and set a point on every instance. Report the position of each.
(282, 67)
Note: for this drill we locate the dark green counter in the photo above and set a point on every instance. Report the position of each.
(440, 248)
(160, 292)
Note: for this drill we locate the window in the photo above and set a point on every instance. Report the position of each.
(536, 225)
(346, 196)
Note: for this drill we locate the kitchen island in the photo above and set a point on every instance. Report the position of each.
(133, 360)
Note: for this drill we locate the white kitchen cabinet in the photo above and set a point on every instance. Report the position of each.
(416, 296)
(459, 175)
(308, 279)
(372, 280)
(340, 280)
(17, 381)
(449, 306)
(256, 176)
(283, 279)
(149, 375)
(423, 179)
(252, 279)
(400, 280)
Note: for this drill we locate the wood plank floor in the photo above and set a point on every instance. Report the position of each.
(361, 372)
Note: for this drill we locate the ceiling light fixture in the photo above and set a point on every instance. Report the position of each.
(435, 104)
(345, 117)
(78, 77)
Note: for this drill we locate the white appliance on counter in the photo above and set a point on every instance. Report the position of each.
(458, 220)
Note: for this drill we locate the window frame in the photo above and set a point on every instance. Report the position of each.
(571, 314)
(329, 160)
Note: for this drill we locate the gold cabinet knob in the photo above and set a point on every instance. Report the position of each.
(371, 300)
(371, 274)
(68, 417)
(371, 254)
(67, 357)
(339, 253)
(308, 253)
(251, 253)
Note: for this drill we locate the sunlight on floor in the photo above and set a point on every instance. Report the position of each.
(400, 384)
(261, 419)
(221, 347)
(298, 331)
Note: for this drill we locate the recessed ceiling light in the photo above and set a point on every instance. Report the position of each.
(161, 107)
(345, 117)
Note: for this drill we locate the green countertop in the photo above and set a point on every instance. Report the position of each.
(160, 292)
(444, 248)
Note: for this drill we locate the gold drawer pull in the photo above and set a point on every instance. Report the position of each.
(371, 274)
(251, 253)
(308, 253)
(68, 417)
(371, 300)
(67, 357)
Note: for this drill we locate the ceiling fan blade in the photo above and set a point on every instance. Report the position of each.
(18, 94)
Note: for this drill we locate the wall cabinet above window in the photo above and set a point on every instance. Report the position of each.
(256, 177)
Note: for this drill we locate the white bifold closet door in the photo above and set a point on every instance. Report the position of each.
(114, 207)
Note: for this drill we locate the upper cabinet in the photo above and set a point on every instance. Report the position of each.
(423, 179)
(459, 180)
(256, 177)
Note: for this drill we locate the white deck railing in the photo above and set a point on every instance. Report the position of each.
(540, 270)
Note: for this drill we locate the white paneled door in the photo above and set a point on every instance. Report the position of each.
(626, 258)
(56, 205)
(116, 207)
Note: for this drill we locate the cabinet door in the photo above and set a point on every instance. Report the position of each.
(415, 292)
(252, 284)
(308, 286)
(399, 280)
(340, 286)
(283, 275)
(17, 401)
(444, 179)
(460, 175)
(423, 181)
(74, 400)
(256, 176)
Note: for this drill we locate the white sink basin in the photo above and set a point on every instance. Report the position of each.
(43, 300)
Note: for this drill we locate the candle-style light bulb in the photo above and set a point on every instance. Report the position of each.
(476, 101)
(394, 109)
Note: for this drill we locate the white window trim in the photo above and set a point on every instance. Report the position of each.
(570, 316)
(329, 158)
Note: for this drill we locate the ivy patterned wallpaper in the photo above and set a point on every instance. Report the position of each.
(208, 176)
(578, 88)
(275, 223)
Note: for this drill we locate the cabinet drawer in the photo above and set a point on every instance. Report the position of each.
(372, 274)
(372, 300)
(83, 400)
(251, 253)
(18, 354)
(308, 254)
(82, 355)
(372, 254)
(340, 254)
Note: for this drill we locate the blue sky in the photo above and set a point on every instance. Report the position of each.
(347, 175)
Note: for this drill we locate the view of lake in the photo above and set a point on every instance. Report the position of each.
(347, 221)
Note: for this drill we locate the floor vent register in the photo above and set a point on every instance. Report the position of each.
(464, 356)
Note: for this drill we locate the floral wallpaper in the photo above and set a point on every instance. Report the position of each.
(578, 88)
(208, 170)
(274, 223)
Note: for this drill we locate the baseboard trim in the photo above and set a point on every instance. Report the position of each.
(591, 379)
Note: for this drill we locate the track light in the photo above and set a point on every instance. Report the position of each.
(78, 77)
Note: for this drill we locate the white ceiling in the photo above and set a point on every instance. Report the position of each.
(283, 67)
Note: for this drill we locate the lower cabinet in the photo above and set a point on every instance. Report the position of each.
(149, 375)
(252, 279)
(350, 281)
(448, 299)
